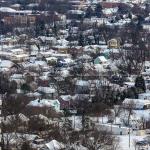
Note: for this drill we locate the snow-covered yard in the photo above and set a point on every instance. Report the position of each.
(124, 142)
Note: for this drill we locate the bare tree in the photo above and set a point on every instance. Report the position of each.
(117, 110)
(99, 139)
(129, 107)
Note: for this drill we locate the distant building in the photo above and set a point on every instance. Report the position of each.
(17, 17)
(20, 19)
(113, 43)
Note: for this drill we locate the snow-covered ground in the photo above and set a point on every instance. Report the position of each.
(124, 142)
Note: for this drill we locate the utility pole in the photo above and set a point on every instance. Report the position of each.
(129, 134)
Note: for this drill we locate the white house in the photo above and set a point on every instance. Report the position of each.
(46, 103)
(144, 96)
(5, 65)
(19, 55)
(136, 103)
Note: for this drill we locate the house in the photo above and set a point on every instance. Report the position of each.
(142, 145)
(55, 104)
(36, 64)
(109, 11)
(53, 145)
(100, 60)
(128, 84)
(18, 138)
(113, 43)
(45, 120)
(115, 129)
(146, 26)
(64, 62)
(34, 95)
(144, 96)
(9, 42)
(13, 118)
(6, 65)
(19, 55)
(50, 92)
(47, 40)
(137, 123)
(65, 101)
(17, 17)
(136, 104)
(16, 6)
(75, 14)
(82, 86)
(19, 78)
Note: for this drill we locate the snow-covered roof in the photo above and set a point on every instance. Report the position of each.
(130, 84)
(33, 5)
(36, 63)
(62, 42)
(47, 90)
(66, 97)
(102, 59)
(51, 59)
(10, 10)
(55, 145)
(108, 11)
(43, 103)
(137, 103)
(147, 63)
(142, 113)
(17, 76)
(68, 60)
(82, 83)
(6, 64)
(41, 63)
(17, 50)
(79, 12)
(99, 68)
(35, 94)
(45, 38)
(64, 73)
(7, 10)
(15, 5)
(144, 95)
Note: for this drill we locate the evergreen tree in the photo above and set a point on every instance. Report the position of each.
(140, 84)
(81, 40)
(25, 87)
(130, 15)
(147, 9)
(132, 93)
(98, 10)
(55, 29)
(89, 12)
(39, 27)
(25, 146)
